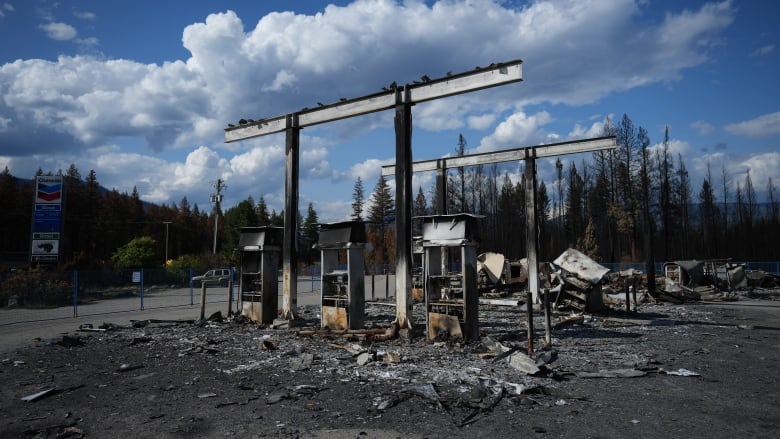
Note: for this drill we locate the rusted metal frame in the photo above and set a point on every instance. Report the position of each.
(290, 240)
(403, 212)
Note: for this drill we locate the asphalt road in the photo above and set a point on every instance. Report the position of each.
(19, 326)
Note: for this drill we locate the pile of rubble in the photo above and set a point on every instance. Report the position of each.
(578, 283)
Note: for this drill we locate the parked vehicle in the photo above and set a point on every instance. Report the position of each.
(216, 276)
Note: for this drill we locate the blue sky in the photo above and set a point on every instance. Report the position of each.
(140, 91)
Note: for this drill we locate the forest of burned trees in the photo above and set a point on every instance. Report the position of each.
(604, 206)
(617, 204)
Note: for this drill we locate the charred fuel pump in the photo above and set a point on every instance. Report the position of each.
(343, 274)
(259, 278)
(451, 297)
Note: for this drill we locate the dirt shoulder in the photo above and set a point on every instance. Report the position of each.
(677, 370)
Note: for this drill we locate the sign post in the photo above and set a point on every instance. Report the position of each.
(47, 220)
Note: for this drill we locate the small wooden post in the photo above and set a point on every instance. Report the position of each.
(230, 297)
(202, 300)
(628, 298)
(547, 323)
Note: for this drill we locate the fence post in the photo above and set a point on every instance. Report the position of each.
(202, 300)
(75, 293)
(142, 289)
(192, 302)
(230, 293)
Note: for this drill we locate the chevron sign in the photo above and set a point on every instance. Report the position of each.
(49, 189)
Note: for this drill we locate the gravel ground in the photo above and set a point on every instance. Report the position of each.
(695, 370)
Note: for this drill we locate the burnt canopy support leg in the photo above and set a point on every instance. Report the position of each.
(290, 244)
(403, 211)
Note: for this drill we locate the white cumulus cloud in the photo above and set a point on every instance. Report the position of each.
(764, 125)
(286, 61)
(516, 131)
(702, 127)
(59, 31)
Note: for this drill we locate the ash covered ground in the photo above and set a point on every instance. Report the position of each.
(696, 370)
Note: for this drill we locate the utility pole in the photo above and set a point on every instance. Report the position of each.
(216, 199)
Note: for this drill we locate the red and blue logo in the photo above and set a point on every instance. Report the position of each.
(49, 193)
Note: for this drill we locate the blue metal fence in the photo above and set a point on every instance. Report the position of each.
(149, 286)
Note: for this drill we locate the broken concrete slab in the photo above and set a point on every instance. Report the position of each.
(392, 357)
(523, 363)
(364, 358)
(302, 362)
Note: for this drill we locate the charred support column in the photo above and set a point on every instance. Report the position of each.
(531, 232)
(290, 245)
(403, 210)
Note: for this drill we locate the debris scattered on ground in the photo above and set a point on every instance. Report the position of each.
(246, 379)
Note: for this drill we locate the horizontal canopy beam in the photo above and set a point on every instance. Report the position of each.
(553, 149)
(425, 90)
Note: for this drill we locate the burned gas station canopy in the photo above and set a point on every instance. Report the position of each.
(399, 98)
